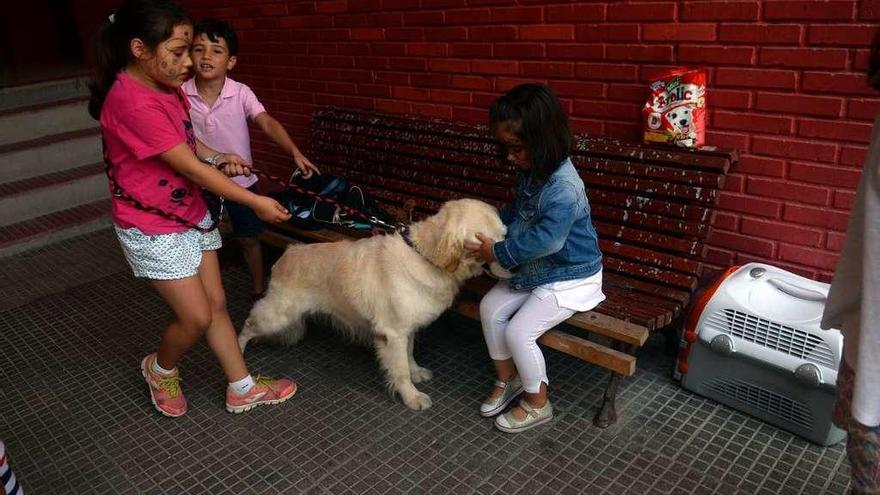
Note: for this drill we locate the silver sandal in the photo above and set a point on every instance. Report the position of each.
(491, 407)
(534, 417)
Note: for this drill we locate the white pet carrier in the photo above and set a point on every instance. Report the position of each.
(756, 346)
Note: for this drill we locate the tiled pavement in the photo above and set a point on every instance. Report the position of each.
(76, 419)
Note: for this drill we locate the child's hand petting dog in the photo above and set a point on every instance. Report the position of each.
(482, 250)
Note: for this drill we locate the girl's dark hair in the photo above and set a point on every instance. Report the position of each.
(874, 63)
(152, 21)
(214, 29)
(536, 116)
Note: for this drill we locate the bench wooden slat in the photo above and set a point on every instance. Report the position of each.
(601, 324)
(646, 287)
(421, 125)
(650, 317)
(627, 234)
(660, 311)
(617, 361)
(614, 148)
(614, 292)
(638, 202)
(474, 150)
(636, 270)
(648, 187)
(648, 221)
(649, 257)
(668, 173)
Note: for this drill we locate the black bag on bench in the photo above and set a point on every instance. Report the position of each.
(308, 212)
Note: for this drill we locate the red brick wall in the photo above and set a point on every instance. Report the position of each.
(786, 86)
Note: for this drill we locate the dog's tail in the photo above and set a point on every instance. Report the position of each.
(294, 332)
(277, 316)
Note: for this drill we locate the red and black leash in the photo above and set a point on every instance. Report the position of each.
(289, 184)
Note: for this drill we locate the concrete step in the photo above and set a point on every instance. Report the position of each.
(28, 95)
(41, 121)
(38, 196)
(52, 182)
(41, 231)
(27, 159)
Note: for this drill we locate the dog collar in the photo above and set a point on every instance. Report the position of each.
(406, 235)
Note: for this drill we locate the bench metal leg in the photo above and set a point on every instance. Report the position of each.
(671, 337)
(607, 414)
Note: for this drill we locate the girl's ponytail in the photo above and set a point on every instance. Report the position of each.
(111, 56)
(152, 21)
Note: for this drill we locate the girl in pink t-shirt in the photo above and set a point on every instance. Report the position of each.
(160, 216)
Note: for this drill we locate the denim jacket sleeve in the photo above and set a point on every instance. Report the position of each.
(556, 214)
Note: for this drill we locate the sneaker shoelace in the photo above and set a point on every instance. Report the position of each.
(265, 381)
(170, 384)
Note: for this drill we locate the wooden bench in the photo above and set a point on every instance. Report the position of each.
(652, 208)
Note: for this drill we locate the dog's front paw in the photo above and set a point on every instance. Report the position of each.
(419, 374)
(417, 401)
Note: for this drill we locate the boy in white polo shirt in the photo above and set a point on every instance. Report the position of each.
(220, 110)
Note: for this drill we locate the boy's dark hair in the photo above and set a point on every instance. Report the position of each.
(152, 21)
(874, 63)
(215, 28)
(536, 116)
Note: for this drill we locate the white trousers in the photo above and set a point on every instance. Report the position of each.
(512, 323)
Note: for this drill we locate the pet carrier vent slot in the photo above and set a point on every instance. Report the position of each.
(771, 335)
(763, 400)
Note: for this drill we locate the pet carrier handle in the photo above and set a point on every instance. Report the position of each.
(798, 292)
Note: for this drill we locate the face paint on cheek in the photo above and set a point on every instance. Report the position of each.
(169, 69)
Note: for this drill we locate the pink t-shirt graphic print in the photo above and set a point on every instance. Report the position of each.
(138, 124)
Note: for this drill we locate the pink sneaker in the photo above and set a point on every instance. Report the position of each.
(265, 391)
(165, 392)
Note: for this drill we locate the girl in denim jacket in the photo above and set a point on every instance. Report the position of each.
(551, 248)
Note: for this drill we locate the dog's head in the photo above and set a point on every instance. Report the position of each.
(442, 237)
(681, 119)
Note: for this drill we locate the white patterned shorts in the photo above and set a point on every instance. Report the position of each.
(167, 256)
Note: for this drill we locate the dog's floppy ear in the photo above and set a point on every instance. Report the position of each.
(446, 240)
(448, 252)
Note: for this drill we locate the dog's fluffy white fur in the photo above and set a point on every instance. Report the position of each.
(379, 288)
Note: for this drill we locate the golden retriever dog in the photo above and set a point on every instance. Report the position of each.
(380, 288)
